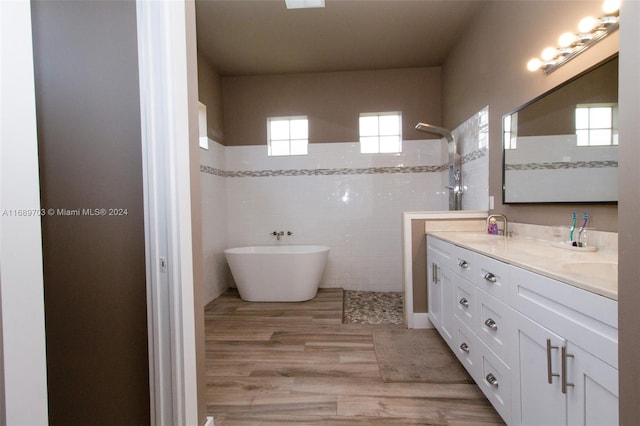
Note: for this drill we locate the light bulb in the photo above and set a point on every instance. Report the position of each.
(566, 39)
(611, 6)
(587, 24)
(534, 64)
(548, 54)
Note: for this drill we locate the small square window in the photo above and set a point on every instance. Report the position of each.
(380, 132)
(287, 136)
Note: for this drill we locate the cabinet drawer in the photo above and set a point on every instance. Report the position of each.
(465, 302)
(494, 324)
(491, 276)
(467, 349)
(463, 263)
(495, 382)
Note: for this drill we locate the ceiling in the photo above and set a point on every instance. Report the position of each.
(247, 37)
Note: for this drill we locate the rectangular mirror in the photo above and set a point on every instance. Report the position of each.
(562, 147)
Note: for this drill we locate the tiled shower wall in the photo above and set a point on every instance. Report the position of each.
(473, 142)
(333, 196)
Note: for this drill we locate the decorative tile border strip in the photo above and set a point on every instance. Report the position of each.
(563, 165)
(339, 171)
(212, 171)
(475, 155)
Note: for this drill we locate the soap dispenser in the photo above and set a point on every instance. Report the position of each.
(492, 229)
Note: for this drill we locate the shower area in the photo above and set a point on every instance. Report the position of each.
(454, 168)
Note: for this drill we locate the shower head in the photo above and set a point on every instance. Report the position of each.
(428, 128)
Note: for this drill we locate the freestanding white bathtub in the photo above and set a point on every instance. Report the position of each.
(277, 273)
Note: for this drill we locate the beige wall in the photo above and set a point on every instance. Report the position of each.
(488, 67)
(210, 94)
(332, 101)
(419, 266)
(88, 112)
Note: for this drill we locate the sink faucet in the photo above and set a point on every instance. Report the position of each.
(505, 229)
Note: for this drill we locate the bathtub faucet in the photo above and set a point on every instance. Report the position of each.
(280, 234)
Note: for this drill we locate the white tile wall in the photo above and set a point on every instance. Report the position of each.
(358, 215)
(214, 222)
(338, 197)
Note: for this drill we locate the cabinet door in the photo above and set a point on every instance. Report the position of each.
(441, 288)
(538, 363)
(446, 282)
(441, 291)
(434, 291)
(593, 398)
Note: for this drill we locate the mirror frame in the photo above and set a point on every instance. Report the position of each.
(537, 98)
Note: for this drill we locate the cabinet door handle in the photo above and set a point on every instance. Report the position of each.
(565, 355)
(464, 347)
(464, 302)
(434, 272)
(491, 379)
(491, 324)
(463, 264)
(490, 277)
(550, 373)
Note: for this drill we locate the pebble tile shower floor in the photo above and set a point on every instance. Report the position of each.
(368, 307)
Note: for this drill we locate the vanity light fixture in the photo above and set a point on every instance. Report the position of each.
(590, 31)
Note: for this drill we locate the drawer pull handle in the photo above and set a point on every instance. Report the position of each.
(491, 324)
(550, 373)
(464, 302)
(565, 355)
(490, 277)
(491, 379)
(463, 264)
(464, 347)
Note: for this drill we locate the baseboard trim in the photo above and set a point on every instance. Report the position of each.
(421, 320)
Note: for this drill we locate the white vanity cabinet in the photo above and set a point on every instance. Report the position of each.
(567, 352)
(542, 351)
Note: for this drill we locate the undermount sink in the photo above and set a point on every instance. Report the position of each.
(598, 270)
(474, 237)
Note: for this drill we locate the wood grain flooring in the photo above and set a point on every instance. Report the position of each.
(297, 364)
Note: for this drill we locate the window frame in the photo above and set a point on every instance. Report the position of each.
(378, 134)
(289, 140)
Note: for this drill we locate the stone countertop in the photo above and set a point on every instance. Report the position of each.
(596, 272)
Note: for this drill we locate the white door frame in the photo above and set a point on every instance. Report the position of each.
(164, 108)
(24, 363)
(164, 101)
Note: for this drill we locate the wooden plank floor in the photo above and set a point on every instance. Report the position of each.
(296, 363)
